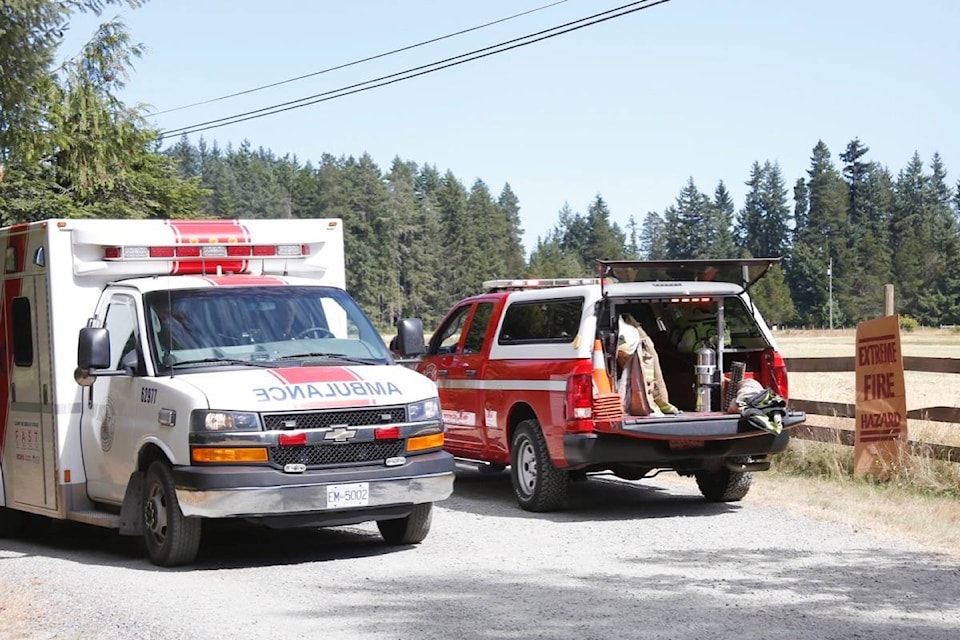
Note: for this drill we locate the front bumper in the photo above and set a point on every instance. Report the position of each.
(254, 492)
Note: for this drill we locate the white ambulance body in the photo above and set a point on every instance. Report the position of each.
(223, 372)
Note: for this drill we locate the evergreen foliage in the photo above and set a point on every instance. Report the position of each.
(417, 239)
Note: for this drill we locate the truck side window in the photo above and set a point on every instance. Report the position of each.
(473, 342)
(447, 337)
(542, 322)
(121, 321)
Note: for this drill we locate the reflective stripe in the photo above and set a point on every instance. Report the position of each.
(504, 385)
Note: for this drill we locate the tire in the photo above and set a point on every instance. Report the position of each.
(170, 538)
(11, 522)
(538, 485)
(410, 530)
(724, 485)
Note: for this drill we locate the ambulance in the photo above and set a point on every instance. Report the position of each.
(155, 374)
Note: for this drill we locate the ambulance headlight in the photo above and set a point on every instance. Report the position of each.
(424, 410)
(225, 421)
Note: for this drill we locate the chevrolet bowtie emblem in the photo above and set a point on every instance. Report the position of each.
(339, 434)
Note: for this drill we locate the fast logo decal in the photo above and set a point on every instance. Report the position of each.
(326, 387)
(16, 243)
(197, 232)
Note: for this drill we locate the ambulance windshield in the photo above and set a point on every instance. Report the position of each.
(232, 325)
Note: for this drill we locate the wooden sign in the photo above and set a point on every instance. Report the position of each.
(881, 431)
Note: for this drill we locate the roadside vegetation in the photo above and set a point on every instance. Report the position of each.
(921, 500)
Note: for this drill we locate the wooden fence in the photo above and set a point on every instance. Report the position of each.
(844, 410)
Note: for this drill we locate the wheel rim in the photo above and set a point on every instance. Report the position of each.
(526, 468)
(155, 514)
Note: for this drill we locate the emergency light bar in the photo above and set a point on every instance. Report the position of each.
(543, 283)
(206, 252)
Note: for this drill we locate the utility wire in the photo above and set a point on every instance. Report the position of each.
(360, 61)
(417, 71)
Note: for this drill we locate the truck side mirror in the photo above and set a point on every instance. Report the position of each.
(93, 352)
(410, 338)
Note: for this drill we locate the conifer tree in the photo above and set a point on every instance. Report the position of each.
(687, 223)
(653, 237)
(723, 242)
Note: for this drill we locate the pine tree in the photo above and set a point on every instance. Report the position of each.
(687, 223)
(653, 237)
(514, 253)
(821, 239)
(724, 244)
(911, 236)
(938, 302)
(605, 239)
(869, 200)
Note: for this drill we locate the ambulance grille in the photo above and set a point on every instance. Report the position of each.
(337, 454)
(372, 416)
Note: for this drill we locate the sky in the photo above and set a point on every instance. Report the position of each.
(629, 109)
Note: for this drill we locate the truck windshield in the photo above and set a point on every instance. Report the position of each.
(258, 324)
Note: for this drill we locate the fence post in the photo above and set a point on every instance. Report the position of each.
(888, 300)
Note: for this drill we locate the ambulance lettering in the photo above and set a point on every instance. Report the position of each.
(326, 390)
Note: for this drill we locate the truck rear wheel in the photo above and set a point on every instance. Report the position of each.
(538, 485)
(171, 539)
(410, 530)
(724, 485)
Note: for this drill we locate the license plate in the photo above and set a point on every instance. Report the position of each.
(348, 495)
(687, 444)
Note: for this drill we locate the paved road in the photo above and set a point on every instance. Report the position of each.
(624, 561)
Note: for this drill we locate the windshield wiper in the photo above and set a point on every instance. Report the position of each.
(224, 361)
(329, 356)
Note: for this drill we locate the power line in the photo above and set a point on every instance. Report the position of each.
(414, 72)
(360, 61)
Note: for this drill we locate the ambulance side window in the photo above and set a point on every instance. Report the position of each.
(22, 332)
(121, 321)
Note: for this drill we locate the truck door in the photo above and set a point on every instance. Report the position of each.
(456, 361)
(29, 454)
(109, 407)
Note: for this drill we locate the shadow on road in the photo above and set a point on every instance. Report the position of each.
(598, 498)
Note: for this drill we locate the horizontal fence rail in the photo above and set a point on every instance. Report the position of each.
(846, 410)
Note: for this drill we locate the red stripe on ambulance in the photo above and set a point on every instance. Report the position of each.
(211, 232)
(17, 242)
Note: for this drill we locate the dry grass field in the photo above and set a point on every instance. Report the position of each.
(923, 389)
(922, 503)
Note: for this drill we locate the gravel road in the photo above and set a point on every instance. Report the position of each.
(625, 560)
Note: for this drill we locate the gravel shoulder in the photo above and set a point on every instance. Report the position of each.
(624, 560)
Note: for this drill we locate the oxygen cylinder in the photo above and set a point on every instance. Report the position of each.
(705, 369)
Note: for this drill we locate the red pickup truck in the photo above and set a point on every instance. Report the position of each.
(545, 376)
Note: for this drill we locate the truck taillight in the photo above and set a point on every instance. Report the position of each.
(774, 372)
(579, 410)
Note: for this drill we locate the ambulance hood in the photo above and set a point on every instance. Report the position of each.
(302, 388)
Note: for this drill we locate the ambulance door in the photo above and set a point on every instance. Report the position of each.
(29, 463)
(110, 405)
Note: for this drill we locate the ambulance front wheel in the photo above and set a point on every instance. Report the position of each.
(538, 485)
(171, 539)
(410, 530)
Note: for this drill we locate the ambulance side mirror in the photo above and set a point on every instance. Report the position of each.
(93, 352)
(410, 342)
